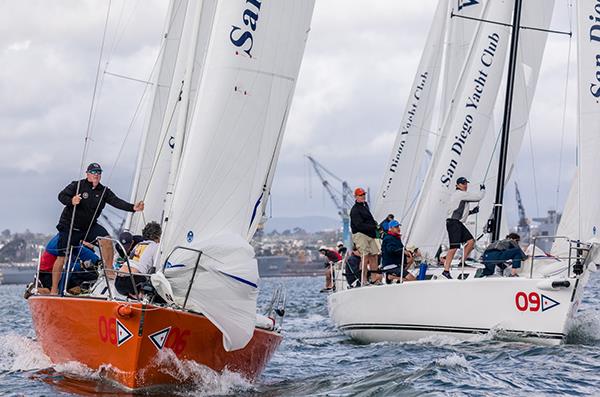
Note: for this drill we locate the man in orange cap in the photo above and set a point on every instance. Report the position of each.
(364, 232)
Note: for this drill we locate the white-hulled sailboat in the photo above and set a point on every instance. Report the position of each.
(539, 305)
(222, 95)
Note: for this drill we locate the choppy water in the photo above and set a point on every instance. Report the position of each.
(315, 359)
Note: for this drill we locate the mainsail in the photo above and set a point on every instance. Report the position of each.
(581, 214)
(399, 184)
(252, 63)
(466, 125)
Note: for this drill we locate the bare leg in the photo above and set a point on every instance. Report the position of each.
(468, 248)
(449, 257)
(56, 273)
(107, 252)
(371, 261)
(328, 278)
(363, 270)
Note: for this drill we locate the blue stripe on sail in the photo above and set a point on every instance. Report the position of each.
(241, 280)
(255, 209)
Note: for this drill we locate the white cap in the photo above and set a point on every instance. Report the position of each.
(321, 248)
(339, 243)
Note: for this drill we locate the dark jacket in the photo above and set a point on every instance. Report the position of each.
(91, 205)
(392, 250)
(361, 220)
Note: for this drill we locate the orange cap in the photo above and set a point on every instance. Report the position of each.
(359, 191)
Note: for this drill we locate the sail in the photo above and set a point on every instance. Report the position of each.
(459, 37)
(532, 43)
(400, 179)
(171, 112)
(581, 215)
(466, 126)
(250, 73)
(153, 158)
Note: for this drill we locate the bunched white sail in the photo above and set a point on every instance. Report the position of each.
(245, 91)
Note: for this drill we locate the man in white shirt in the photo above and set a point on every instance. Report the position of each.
(458, 212)
(143, 260)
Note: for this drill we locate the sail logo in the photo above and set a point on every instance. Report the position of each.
(595, 37)
(466, 3)
(471, 106)
(242, 37)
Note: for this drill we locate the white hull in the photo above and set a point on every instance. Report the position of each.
(520, 308)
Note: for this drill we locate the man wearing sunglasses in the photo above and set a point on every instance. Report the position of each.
(84, 201)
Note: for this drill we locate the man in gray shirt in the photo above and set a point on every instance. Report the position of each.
(458, 212)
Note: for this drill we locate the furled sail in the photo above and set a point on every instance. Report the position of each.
(465, 127)
(399, 185)
(247, 83)
(581, 215)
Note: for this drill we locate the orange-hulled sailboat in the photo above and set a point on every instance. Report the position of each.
(222, 93)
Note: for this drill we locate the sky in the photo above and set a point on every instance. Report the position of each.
(358, 67)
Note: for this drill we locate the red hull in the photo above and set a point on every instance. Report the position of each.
(130, 342)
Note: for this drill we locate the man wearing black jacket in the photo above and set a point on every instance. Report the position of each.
(84, 201)
(364, 231)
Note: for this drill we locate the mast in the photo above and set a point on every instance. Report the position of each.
(512, 62)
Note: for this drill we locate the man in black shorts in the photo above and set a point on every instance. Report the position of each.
(87, 199)
(458, 213)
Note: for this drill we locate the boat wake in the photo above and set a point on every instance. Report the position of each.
(19, 353)
(585, 330)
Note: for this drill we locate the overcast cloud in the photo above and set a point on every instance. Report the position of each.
(359, 64)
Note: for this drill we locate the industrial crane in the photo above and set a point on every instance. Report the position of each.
(343, 199)
(523, 227)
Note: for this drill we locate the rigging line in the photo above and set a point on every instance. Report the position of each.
(113, 44)
(85, 144)
(127, 77)
(508, 25)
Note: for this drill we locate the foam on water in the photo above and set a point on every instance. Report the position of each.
(18, 353)
(585, 329)
(453, 360)
(205, 381)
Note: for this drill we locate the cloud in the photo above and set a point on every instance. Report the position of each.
(359, 63)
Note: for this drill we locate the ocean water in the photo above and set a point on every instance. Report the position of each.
(315, 359)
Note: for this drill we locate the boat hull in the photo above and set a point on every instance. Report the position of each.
(521, 308)
(140, 346)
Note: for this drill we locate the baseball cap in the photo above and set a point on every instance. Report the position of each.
(322, 248)
(339, 244)
(359, 191)
(94, 167)
(393, 223)
(125, 238)
(462, 180)
(411, 248)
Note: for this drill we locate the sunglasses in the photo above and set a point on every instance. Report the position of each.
(95, 172)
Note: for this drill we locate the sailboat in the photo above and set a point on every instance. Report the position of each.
(539, 305)
(222, 96)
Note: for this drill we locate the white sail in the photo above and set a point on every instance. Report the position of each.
(153, 158)
(399, 185)
(465, 127)
(459, 37)
(170, 113)
(532, 43)
(581, 215)
(250, 73)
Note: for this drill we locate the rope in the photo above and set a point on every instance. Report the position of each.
(87, 137)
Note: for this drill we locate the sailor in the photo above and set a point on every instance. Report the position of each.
(84, 201)
(332, 257)
(384, 225)
(394, 258)
(501, 251)
(341, 249)
(127, 242)
(143, 260)
(364, 231)
(352, 268)
(458, 213)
